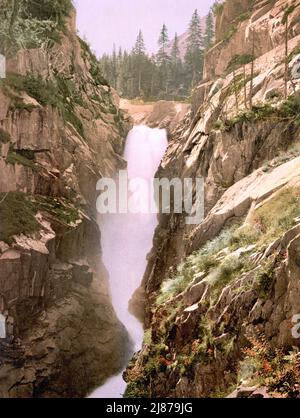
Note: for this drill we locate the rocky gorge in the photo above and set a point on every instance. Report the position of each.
(61, 130)
(221, 299)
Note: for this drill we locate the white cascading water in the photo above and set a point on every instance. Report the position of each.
(127, 239)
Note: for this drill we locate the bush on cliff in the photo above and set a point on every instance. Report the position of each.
(17, 214)
(18, 211)
(31, 24)
(60, 93)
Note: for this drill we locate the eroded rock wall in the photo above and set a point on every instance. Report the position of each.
(221, 295)
(61, 130)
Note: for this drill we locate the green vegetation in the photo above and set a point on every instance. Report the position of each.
(60, 93)
(277, 369)
(18, 210)
(277, 215)
(232, 29)
(165, 75)
(238, 61)
(17, 214)
(95, 69)
(265, 277)
(200, 261)
(288, 110)
(14, 157)
(58, 208)
(289, 9)
(221, 264)
(244, 16)
(218, 8)
(294, 52)
(238, 84)
(31, 24)
(283, 157)
(230, 268)
(228, 34)
(268, 222)
(4, 136)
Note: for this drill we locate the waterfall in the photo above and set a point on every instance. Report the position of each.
(127, 239)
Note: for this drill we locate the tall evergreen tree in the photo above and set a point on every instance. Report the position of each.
(209, 31)
(114, 68)
(139, 47)
(194, 54)
(163, 42)
(163, 59)
(175, 53)
(176, 64)
(139, 56)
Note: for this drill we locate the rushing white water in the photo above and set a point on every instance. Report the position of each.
(127, 239)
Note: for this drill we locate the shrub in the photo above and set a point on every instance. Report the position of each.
(218, 8)
(18, 210)
(31, 24)
(60, 209)
(61, 93)
(237, 61)
(15, 158)
(247, 235)
(265, 277)
(230, 268)
(200, 261)
(4, 136)
(294, 52)
(17, 214)
(275, 368)
(54, 10)
(277, 215)
(291, 108)
(288, 110)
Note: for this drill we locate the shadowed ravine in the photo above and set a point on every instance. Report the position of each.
(127, 239)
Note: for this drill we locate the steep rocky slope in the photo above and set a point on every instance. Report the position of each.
(221, 296)
(60, 131)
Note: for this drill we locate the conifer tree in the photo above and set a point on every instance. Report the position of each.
(139, 54)
(163, 59)
(114, 68)
(194, 54)
(175, 53)
(209, 31)
(163, 41)
(176, 64)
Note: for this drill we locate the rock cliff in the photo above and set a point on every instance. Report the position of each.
(222, 295)
(60, 131)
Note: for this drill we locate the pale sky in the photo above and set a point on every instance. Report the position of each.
(105, 22)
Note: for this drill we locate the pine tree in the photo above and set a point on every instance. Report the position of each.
(114, 68)
(163, 60)
(163, 42)
(139, 48)
(209, 31)
(176, 65)
(194, 54)
(139, 55)
(175, 53)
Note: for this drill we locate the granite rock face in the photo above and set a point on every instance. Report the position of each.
(62, 131)
(221, 297)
